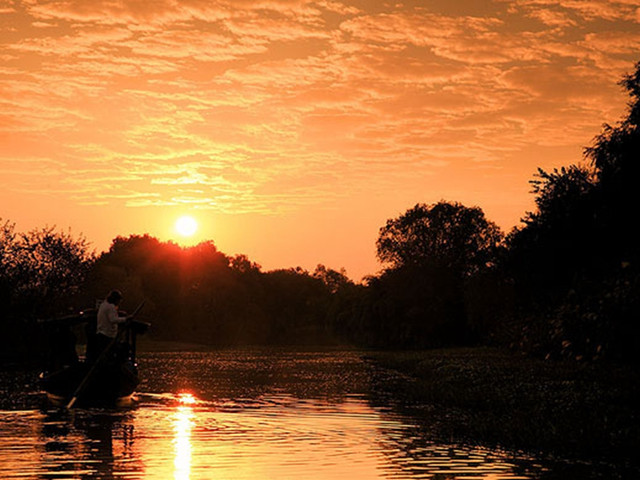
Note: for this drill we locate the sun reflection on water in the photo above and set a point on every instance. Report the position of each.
(238, 427)
(182, 426)
(186, 398)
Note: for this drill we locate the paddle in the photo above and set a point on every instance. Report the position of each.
(102, 356)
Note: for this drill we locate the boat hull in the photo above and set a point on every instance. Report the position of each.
(108, 386)
(120, 402)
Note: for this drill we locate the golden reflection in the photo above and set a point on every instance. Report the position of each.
(186, 398)
(182, 442)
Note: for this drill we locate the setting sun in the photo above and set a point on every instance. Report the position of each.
(186, 226)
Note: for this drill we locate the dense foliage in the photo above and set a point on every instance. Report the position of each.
(434, 253)
(445, 235)
(576, 259)
(201, 295)
(41, 274)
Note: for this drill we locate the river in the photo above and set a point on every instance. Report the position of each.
(247, 414)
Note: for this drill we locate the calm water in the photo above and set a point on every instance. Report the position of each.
(244, 415)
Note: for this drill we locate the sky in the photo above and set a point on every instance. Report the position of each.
(292, 130)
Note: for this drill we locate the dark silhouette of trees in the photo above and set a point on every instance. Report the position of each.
(565, 283)
(334, 280)
(444, 235)
(550, 248)
(40, 270)
(615, 157)
(575, 262)
(199, 294)
(41, 274)
(432, 251)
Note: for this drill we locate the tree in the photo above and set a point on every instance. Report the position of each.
(575, 262)
(433, 251)
(242, 264)
(41, 273)
(200, 294)
(8, 257)
(558, 239)
(43, 269)
(444, 235)
(560, 193)
(586, 214)
(615, 156)
(333, 279)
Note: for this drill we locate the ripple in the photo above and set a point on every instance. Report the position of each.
(245, 415)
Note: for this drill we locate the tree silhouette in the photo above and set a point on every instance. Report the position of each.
(586, 214)
(446, 234)
(576, 260)
(615, 156)
(41, 274)
(42, 269)
(333, 279)
(433, 251)
(546, 253)
(199, 294)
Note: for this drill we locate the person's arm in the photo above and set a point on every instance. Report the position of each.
(113, 317)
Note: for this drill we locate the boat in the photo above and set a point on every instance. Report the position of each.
(105, 380)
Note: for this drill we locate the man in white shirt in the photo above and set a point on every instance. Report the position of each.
(108, 318)
(107, 324)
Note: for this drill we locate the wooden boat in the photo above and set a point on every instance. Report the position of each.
(105, 380)
(112, 385)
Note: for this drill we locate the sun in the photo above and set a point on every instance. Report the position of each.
(186, 226)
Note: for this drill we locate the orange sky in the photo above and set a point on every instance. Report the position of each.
(291, 129)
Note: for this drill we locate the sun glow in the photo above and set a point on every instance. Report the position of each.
(186, 226)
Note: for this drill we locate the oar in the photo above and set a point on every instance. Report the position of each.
(102, 356)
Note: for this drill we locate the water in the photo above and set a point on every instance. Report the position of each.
(245, 415)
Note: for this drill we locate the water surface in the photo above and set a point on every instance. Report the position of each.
(247, 415)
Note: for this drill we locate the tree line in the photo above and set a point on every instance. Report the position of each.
(565, 283)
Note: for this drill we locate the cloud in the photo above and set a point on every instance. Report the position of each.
(272, 106)
(105, 12)
(582, 10)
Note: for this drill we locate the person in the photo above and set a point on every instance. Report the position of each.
(107, 324)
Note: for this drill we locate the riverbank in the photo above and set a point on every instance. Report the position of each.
(587, 411)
